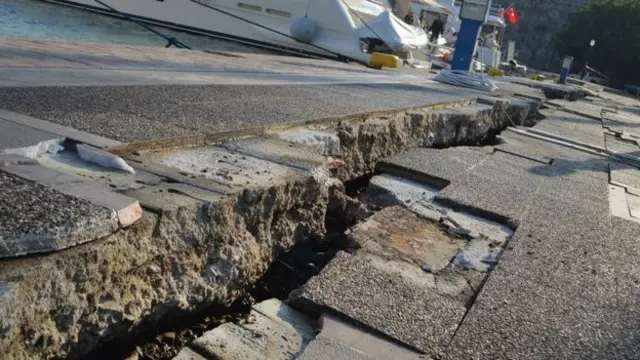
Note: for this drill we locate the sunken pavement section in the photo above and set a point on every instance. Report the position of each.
(523, 247)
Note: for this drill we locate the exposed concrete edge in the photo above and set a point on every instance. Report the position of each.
(511, 223)
(62, 131)
(576, 112)
(557, 142)
(565, 139)
(216, 137)
(524, 156)
(413, 175)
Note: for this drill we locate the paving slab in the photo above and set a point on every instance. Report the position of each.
(127, 209)
(556, 283)
(418, 317)
(325, 348)
(16, 136)
(396, 234)
(278, 151)
(388, 190)
(52, 128)
(227, 168)
(545, 151)
(618, 145)
(501, 187)
(272, 330)
(574, 127)
(433, 166)
(511, 320)
(355, 337)
(48, 220)
(626, 176)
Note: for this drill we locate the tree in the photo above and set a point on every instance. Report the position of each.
(615, 26)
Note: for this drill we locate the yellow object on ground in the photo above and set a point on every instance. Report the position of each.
(378, 60)
(537, 77)
(495, 72)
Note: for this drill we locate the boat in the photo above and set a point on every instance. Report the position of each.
(342, 29)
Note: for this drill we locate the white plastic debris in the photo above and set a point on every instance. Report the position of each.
(102, 158)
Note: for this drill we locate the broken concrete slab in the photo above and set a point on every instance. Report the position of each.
(325, 348)
(230, 169)
(618, 203)
(412, 315)
(324, 142)
(188, 354)
(634, 205)
(14, 159)
(343, 339)
(272, 330)
(626, 176)
(59, 130)
(621, 146)
(36, 219)
(68, 162)
(500, 188)
(128, 210)
(233, 342)
(432, 166)
(396, 234)
(16, 136)
(543, 151)
(277, 151)
(575, 127)
(388, 190)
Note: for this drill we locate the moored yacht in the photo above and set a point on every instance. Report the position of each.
(344, 29)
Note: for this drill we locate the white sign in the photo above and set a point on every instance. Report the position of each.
(476, 10)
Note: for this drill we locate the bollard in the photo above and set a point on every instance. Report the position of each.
(566, 67)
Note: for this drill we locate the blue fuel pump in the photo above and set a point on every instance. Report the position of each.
(473, 14)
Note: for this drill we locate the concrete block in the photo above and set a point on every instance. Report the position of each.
(127, 209)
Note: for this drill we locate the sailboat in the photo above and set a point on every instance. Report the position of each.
(342, 29)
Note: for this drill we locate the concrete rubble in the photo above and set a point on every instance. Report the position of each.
(455, 257)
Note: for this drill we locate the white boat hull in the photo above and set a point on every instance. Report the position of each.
(264, 22)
